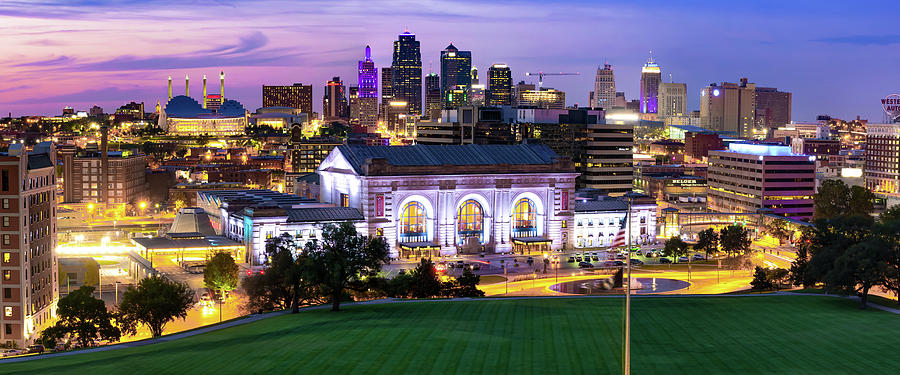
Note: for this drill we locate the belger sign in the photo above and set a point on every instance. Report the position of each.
(891, 104)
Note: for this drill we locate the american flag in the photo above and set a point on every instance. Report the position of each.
(620, 237)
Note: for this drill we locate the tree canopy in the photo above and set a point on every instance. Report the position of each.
(735, 239)
(155, 302)
(675, 247)
(708, 241)
(834, 198)
(82, 317)
(221, 273)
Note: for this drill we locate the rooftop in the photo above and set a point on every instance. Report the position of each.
(761, 150)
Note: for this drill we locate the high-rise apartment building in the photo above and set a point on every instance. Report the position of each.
(604, 94)
(499, 90)
(432, 96)
(608, 153)
(748, 177)
(883, 158)
(456, 67)
(367, 99)
(730, 107)
(651, 76)
(83, 172)
(28, 262)
(406, 70)
(773, 108)
(672, 100)
(334, 102)
(297, 96)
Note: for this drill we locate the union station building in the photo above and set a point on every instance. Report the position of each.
(443, 200)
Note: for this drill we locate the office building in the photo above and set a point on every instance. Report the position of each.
(29, 263)
(607, 164)
(334, 102)
(748, 177)
(599, 219)
(883, 158)
(604, 94)
(697, 145)
(353, 109)
(545, 98)
(521, 87)
(672, 100)
(456, 68)
(368, 94)
(500, 90)
(476, 89)
(773, 108)
(297, 96)
(651, 76)
(466, 125)
(387, 91)
(432, 97)
(406, 70)
(83, 172)
(730, 107)
(307, 153)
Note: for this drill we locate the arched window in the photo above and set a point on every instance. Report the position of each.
(524, 223)
(412, 223)
(470, 221)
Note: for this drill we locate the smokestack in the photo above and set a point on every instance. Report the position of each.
(187, 86)
(104, 164)
(222, 84)
(204, 91)
(170, 87)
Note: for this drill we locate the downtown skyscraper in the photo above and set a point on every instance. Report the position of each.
(406, 70)
(368, 93)
(500, 88)
(604, 94)
(651, 76)
(456, 68)
(432, 96)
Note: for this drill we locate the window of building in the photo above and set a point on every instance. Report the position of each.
(5, 181)
(8, 329)
(5, 203)
(470, 221)
(8, 311)
(379, 232)
(524, 218)
(412, 223)
(6, 221)
(345, 200)
(7, 257)
(7, 275)
(6, 239)
(7, 293)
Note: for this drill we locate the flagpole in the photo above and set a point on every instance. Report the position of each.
(626, 366)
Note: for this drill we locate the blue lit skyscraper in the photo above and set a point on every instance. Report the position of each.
(367, 98)
(651, 76)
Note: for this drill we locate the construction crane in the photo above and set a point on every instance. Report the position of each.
(542, 74)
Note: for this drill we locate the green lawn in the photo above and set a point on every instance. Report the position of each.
(713, 335)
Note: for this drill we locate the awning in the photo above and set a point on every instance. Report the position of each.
(424, 245)
(530, 240)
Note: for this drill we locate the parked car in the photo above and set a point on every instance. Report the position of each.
(571, 259)
(696, 257)
(579, 259)
(621, 256)
(618, 263)
(665, 261)
(682, 259)
(36, 348)
(585, 265)
(650, 254)
(595, 257)
(637, 262)
(10, 352)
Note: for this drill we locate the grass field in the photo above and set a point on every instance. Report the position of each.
(689, 335)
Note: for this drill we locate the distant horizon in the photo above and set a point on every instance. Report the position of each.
(105, 52)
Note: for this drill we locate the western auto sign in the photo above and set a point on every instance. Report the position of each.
(891, 104)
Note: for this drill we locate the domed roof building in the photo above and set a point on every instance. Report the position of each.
(184, 115)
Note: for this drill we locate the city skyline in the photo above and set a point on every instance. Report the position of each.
(60, 56)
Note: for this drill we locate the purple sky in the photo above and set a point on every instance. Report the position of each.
(837, 58)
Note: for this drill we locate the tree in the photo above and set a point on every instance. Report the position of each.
(467, 285)
(708, 241)
(341, 258)
(221, 273)
(155, 302)
(829, 239)
(779, 230)
(82, 317)
(675, 248)
(889, 232)
(735, 239)
(760, 279)
(860, 268)
(891, 214)
(832, 199)
(292, 272)
(798, 272)
(425, 282)
(861, 201)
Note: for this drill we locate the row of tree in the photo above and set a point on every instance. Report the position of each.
(733, 239)
(847, 250)
(153, 303)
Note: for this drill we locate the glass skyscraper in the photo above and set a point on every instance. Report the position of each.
(456, 68)
(406, 70)
(499, 85)
(650, 79)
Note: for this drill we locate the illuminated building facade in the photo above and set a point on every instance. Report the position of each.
(731, 107)
(297, 96)
(883, 158)
(604, 94)
(456, 67)
(406, 71)
(748, 177)
(598, 221)
(672, 100)
(368, 93)
(476, 89)
(607, 164)
(387, 91)
(29, 280)
(184, 116)
(433, 200)
(334, 102)
(499, 85)
(83, 172)
(545, 98)
(651, 76)
(432, 97)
